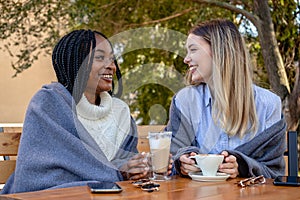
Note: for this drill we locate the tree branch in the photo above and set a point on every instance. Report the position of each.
(253, 18)
(163, 19)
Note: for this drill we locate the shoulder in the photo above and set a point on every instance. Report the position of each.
(191, 97)
(190, 91)
(53, 89)
(52, 103)
(51, 96)
(268, 107)
(265, 96)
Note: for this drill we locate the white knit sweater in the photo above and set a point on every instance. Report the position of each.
(108, 123)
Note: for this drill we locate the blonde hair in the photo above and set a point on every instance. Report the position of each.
(233, 106)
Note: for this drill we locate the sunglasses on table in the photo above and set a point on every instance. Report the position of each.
(252, 181)
(146, 185)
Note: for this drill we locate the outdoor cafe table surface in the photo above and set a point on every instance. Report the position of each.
(176, 188)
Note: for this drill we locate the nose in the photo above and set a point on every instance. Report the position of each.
(187, 59)
(111, 65)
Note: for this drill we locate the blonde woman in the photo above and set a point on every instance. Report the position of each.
(222, 111)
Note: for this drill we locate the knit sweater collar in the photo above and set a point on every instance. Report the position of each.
(93, 112)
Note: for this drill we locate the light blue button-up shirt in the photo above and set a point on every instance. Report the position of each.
(195, 103)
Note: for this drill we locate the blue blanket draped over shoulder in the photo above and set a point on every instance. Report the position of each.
(56, 151)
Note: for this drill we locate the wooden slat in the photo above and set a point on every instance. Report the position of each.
(9, 143)
(11, 129)
(6, 168)
(143, 143)
(286, 165)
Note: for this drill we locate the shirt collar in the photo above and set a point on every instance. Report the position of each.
(207, 95)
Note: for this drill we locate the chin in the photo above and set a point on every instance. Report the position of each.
(197, 80)
(104, 88)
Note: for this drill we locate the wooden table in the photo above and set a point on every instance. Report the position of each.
(177, 188)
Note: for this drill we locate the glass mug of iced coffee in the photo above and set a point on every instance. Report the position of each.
(160, 143)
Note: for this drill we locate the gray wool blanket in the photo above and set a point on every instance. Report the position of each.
(263, 155)
(55, 149)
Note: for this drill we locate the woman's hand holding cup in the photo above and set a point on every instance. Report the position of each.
(188, 164)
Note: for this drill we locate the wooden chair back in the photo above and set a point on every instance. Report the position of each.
(143, 130)
(9, 143)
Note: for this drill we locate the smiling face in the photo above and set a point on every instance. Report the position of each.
(199, 59)
(103, 69)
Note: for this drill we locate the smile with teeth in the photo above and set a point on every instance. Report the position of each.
(193, 67)
(107, 76)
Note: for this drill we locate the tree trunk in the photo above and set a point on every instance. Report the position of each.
(294, 103)
(270, 51)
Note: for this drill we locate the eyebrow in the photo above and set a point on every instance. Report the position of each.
(102, 51)
(191, 45)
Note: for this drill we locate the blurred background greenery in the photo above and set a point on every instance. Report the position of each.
(151, 73)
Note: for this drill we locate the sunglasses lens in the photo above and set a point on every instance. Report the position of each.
(260, 180)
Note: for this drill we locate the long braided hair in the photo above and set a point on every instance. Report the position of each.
(72, 60)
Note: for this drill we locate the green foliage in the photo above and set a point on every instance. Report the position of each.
(34, 25)
(148, 36)
(151, 36)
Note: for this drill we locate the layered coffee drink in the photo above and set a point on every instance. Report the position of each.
(160, 159)
(160, 153)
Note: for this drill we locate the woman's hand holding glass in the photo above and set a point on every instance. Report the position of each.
(139, 167)
(136, 168)
(170, 165)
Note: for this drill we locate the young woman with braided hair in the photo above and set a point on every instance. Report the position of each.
(74, 130)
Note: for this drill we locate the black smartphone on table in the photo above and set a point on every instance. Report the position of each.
(287, 181)
(104, 187)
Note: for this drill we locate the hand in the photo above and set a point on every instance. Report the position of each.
(136, 168)
(187, 164)
(230, 165)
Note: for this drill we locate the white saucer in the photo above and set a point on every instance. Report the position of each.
(197, 176)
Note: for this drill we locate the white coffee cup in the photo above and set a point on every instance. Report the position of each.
(208, 163)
